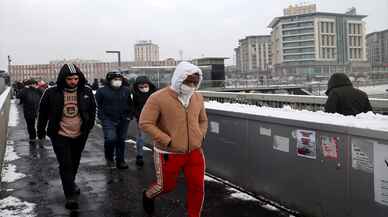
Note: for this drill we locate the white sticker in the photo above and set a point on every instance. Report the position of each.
(362, 155)
(281, 143)
(214, 127)
(381, 173)
(265, 131)
(306, 145)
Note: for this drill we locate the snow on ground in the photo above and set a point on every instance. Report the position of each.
(10, 174)
(10, 154)
(14, 207)
(13, 115)
(364, 121)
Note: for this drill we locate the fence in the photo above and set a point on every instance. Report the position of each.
(312, 103)
(4, 113)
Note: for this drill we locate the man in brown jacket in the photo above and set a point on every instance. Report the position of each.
(176, 119)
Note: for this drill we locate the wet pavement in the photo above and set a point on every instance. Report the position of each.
(31, 185)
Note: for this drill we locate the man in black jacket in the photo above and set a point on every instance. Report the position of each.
(343, 98)
(70, 110)
(142, 89)
(115, 108)
(29, 97)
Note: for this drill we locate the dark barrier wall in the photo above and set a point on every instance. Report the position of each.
(4, 113)
(320, 170)
(261, 155)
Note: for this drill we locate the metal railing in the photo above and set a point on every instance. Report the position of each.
(311, 103)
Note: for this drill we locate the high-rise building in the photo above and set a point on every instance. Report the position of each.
(319, 43)
(146, 51)
(253, 55)
(377, 45)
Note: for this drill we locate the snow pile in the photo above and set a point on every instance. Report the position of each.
(10, 154)
(10, 174)
(13, 115)
(364, 121)
(13, 207)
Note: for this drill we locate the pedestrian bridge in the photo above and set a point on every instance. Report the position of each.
(260, 162)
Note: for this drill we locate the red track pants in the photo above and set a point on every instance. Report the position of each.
(167, 170)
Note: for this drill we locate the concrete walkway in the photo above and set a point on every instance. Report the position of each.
(31, 186)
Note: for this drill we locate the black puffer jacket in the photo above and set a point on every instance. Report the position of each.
(114, 104)
(29, 98)
(140, 98)
(52, 103)
(343, 98)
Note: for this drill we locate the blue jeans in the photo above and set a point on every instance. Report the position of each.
(140, 141)
(115, 134)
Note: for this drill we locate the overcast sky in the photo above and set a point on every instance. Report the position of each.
(37, 31)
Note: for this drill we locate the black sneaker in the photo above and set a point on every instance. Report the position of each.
(139, 161)
(71, 203)
(121, 165)
(148, 204)
(110, 163)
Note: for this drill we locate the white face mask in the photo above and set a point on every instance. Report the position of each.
(144, 89)
(186, 89)
(116, 83)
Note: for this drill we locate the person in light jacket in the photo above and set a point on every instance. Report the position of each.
(176, 119)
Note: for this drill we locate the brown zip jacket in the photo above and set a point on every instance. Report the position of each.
(166, 120)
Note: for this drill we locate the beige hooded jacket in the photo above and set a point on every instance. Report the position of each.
(173, 127)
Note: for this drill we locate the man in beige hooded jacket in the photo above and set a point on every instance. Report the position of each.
(176, 119)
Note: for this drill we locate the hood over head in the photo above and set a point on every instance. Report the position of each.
(142, 80)
(338, 80)
(70, 69)
(181, 72)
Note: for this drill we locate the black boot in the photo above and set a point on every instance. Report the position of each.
(148, 204)
(139, 161)
(121, 165)
(71, 203)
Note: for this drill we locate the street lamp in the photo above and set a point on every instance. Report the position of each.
(118, 56)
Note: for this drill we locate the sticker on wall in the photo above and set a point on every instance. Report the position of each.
(281, 143)
(214, 127)
(306, 145)
(362, 155)
(380, 152)
(265, 131)
(329, 147)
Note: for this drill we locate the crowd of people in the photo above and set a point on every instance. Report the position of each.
(174, 117)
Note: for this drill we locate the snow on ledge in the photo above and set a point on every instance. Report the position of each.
(368, 120)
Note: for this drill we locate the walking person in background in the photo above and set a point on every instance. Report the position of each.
(68, 110)
(142, 89)
(115, 110)
(176, 119)
(343, 98)
(29, 97)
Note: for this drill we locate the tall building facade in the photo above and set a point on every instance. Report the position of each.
(377, 44)
(91, 69)
(146, 51)
(319, 43)
(253, 55)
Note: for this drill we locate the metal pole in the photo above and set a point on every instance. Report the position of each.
(119, 56)
(9, 66)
